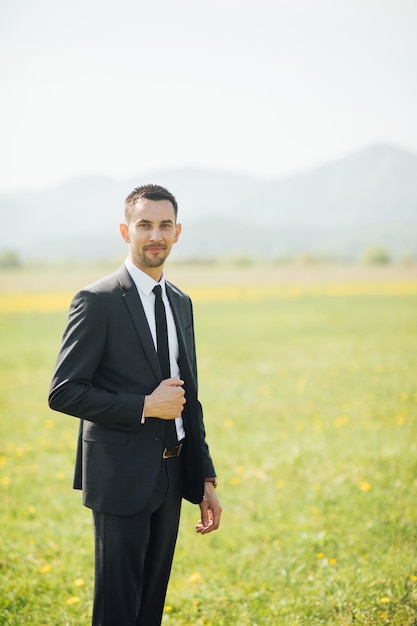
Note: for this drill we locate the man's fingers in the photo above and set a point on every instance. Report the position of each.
(167, 400)
(207, 525)
(173, 382)
(204, 530)
(200, 526)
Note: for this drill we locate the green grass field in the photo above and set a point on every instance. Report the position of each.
(310, 397)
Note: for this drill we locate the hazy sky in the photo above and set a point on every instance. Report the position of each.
(265, 87)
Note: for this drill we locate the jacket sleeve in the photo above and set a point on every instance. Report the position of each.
(74, 389)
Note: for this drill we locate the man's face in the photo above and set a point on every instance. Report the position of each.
(151, 232)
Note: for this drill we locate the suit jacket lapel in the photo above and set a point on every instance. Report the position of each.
(133, 302)
(185, 366)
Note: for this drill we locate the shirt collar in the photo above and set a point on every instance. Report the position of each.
(142, 280)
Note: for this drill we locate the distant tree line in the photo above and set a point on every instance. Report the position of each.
(9, 259)
(376, 255)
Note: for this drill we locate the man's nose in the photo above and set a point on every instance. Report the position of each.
(155, 234)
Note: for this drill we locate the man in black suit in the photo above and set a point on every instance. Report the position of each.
(141, 446)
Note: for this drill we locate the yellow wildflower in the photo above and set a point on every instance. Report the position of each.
(340, 421)
(196, 578)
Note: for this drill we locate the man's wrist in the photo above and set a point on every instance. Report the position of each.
(212, 480)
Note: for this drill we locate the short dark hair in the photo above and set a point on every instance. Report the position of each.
(151, 192)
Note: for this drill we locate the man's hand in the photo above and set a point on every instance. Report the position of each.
(166, 401)
(211, 511)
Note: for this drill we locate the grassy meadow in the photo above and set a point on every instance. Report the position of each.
(308, 381)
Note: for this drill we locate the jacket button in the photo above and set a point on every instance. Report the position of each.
(157, 440)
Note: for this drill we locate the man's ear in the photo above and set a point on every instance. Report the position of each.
(178, 229)
(124, 231)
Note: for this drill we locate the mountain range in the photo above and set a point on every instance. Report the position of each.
(338, 210)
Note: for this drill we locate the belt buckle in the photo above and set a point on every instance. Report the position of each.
(171, 454)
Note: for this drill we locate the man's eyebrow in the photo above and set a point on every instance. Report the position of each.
(145, 221)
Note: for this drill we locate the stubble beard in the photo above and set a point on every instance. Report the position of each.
(151, 261)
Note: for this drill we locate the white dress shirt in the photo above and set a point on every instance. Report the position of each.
(144, 285)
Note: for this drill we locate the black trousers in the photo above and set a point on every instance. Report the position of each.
(133, 556)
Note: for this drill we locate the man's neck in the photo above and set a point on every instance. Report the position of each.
(155, 273)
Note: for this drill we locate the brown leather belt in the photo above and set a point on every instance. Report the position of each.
(170, 454)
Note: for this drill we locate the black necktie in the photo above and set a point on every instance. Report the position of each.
(161, 333)
(170, 436)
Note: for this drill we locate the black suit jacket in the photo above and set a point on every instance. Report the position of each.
(106, 365)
